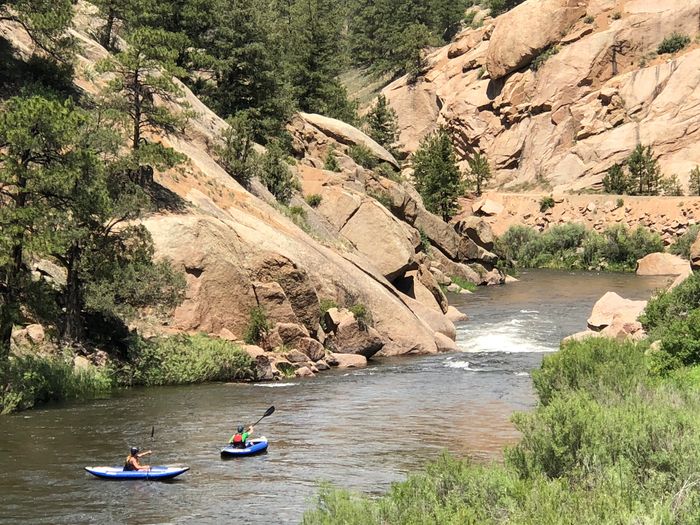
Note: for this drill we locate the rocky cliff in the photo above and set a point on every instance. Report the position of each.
(557, 91)
(240, 249)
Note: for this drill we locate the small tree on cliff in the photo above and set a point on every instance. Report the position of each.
(438, 178)
(644, 172)
(695, 181)
(479, 171)
(142, 75)
(616, 181)
(382, 122)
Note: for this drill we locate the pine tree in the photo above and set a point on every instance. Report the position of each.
(615, 181)
(39, 164)
(316, 56)
(479, 171)
(382, 122)
(248, 71)
(644, 172)
(142, 75)
(237, 154)
(694, 185)
(438, 178)
(45, 22)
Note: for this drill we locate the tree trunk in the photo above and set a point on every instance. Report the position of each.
(107, 35)
(72, 330)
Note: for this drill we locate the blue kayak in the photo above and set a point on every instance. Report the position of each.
(155, 473)
(253, 447)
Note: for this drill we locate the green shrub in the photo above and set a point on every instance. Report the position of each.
(362, 156)
(684, 242)
(509, 246)
(673, 43)
(27, 381)
(276, 175)
(330, 163)
(620, 202)
(185, 359)
(616, 15)
(540, 60)
(463, 283)
(314, 200)
(324, 306)
(362, 315)
(589, 19)
(666, 307)
(546, 203)
(258, 326)
(425, 245)
(382, 197)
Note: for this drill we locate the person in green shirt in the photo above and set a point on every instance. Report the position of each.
(238, 440)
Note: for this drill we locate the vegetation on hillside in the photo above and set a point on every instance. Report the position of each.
(573, 247)
(615, 438)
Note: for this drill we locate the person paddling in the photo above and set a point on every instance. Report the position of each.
(132, 460)
(238, 440)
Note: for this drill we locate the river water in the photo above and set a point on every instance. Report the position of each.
(359, 429)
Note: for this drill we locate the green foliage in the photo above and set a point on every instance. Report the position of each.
(438, 178)
(314, 200)
(237, 152)
(671, 186)
(694, 186)
(324, 306)
(463, 283)
(389, 36)
(276, 175)
(620, 202)
(615, 181)
(425, 245)
(684, 242)
(644, 171)
(45, 22)
(383, 123)
(570, 246)
(31, 380)
(540, 60)
(185, 359)
(362, 315)
(258, 326)
(673, 43)
(616, 15)
(479, 172)
(609, 443)
(668, 306)
(330, 163)
(362, 156)
(498, 7)
(382, 197)
(546, 203)
(589, 19)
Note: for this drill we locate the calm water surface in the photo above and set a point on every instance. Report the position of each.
(359, 429)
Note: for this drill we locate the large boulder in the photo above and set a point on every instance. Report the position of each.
(662, 264)
(525, 31)
(379, 236)
(695, 254)
(349, 135)
(347, 360)
(613, 308)
(476, 229)
(349, 335)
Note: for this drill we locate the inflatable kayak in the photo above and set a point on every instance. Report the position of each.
(154, 473)
(253, 447)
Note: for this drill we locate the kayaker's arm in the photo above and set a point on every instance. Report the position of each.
(140, 455)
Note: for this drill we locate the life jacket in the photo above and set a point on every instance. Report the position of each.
(238, 441)
(128, 465)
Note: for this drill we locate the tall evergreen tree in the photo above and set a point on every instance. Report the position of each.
(316, 56)
(479, 171)
(694, 184)
(438, 178)
(46, 22)
(382, 122)
(144, 74)
(644, 172)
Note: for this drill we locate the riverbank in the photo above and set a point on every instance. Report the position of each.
(615, 438)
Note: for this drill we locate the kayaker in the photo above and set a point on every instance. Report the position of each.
(132, 460)
(238, 440)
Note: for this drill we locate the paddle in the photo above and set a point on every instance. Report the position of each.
(268, 412)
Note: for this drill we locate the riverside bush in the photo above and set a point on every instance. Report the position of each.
(31, 380)
(666, 307)
(185, 359)
(571, 246)
(610, 443)
(684, 242)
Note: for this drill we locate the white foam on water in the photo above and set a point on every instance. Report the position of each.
(529, 311)
(462, 365)
(275, 385)
(522, 374)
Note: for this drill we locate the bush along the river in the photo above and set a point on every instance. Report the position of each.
(30, 380)
(573, 247)
(615, 438)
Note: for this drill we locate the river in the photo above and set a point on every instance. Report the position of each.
(361, 429)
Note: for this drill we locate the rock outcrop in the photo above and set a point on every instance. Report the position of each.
(555, 92)
(663, 264)
(612, 308)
